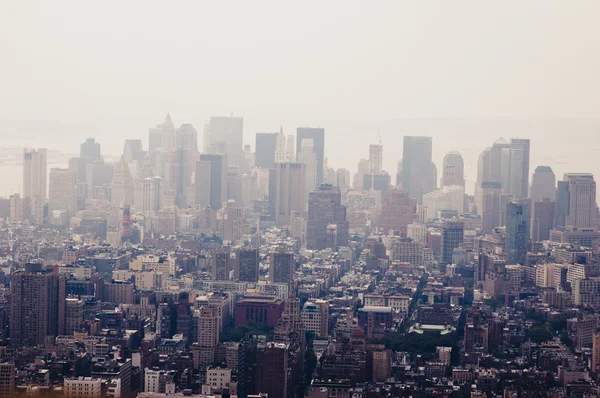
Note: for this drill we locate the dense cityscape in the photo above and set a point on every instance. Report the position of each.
(234, 269)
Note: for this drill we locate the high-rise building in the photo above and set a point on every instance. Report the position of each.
(318, 137)
(595, 352)
(225, 135)
(34, 181)
(377, 182)
(208, 327)
(484, 167)
(453, 232)
(282, 266)
(90, 149)
(63, 191)
(233, 221)
(122, 185)
(519, 168)
(234, 185)
(308, 156)
(225, 265)
(417, 169)
(343, 179)
(272, 369)
(450, 197)
(162, 137)
(487, 201)
(376, 158)
(73, 315)
(518, 219)
(19, 208)
(7, 379)
(133, 151)
(542, 219)
(543, 184)
(218, 179)
(453, 172)
(287, 194)
(325, 209)
(561, 209)
(249, 259)
(315, 317)
(266, 144)
(398, 210)
(582, 201)
(37, 306)
(281, 150)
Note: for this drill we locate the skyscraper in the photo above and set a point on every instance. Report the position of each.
(249, 259)
(519, 168)
(318, 137)
(133, 150)
(542, 219)
(34, 181)
(122, 185)
(266, 144)
(37, 306)
(453, 172)
(308, 156)
(202, 183)
(453, 232)
(224, 135)
(281, 266)
(90, 149)
(561, 209)
(281, 150)
(398, 210)
(233, 221)
(287, 193)
(417, 171)
(376, 158)
(218, 179)
(487, 201)
(518, 219)
(543, 184)
(325, 209)
(582, 201)
(484, 165)
(63, 191)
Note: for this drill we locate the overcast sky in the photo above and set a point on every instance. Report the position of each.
(353, 67)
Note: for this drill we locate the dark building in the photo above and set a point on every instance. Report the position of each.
(325, 209)
(453, 232)
(418, 176)
(561, 209)
(318, 137)
(261, 309)
(218, 179)
(248, 259)
(272, 369)
(266, 144)
(225, 265)
(375, 315)
(398, 210)
(542, 219)
(377, 182)
(516, 242)
(282, 266)
(37, 306)
(90, 149)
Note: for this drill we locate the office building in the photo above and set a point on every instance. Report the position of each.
(519, 168)
(82, 387)
(63, 191)
(19, 208)
(377, 182)
(122, 185)
(376, 158)
(233, 221)
(90, 149)
(487, 201)
(452, 237)
(398, 210)
(7, 380)
(453, 170)
(217, 180)
(407, 251)
(249, 259)
(272, 369)
(318, 137)
(542, 219)
(518, 219)
(225, 265)
(208, 324)
(561, 209)
(73, 315)
(287, 193)
(34, 181)
(543, 184)
(266, 144)
(260, 309)
(418, 175)
(595, 352)
(281, 266)
(308, 156)
(325, 210)
(582, 201)
(343, 179)
(315, 317)
(450, 197)
(508, 164)
(133, 151)
(224, 135)
(37, 309)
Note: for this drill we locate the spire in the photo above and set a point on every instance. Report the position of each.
(281, 130)
(168, 118)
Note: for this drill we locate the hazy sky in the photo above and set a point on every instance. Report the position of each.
(353, 67)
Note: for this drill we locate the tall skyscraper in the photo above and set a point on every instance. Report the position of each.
(287, 193)
(453, 232)
(90, 149)
(272, 375)
(518, 219)
(34, 181)
(233, 221)
(308, 156)
(324, 210)
(318, 137)
(73, 315)
(266, 144)
(281, 266)
(281, 150)
(249, 259)
(202, 183)
(542, 219)
(225, 135)
(487, 201)
(376, 158)
(417, 170)
(543, 184)
(133, 150)
(484, 167)
(398, 210)
(453, 172)
(582, 201)
(63, 191)
(218, 179)
(37, 306)
(519, 168)
(161, 137)
(122, 185)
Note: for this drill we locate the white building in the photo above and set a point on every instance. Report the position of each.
(315, 317)
(450, 197)
(83, 387)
